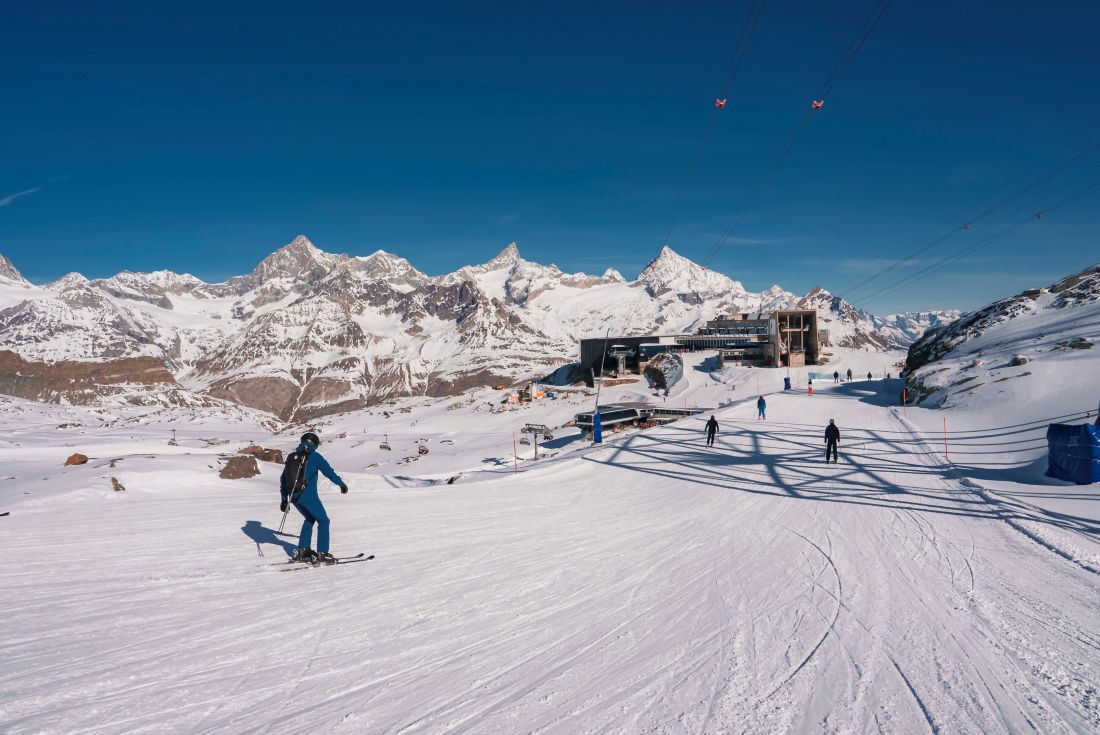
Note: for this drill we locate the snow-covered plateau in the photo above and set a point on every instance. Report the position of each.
(931, 581)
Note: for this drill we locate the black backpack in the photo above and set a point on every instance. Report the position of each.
(293, 480)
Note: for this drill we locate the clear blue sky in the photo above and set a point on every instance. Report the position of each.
(200, 137)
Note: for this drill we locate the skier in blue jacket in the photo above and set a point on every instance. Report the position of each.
(306, 501)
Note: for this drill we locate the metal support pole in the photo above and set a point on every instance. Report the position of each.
(596, 435)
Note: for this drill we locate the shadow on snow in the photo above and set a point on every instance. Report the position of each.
(265, 537)
(787, 460)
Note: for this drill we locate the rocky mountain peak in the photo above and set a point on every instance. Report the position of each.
(10, 273)
(69, 280)
(296, 258)
(672, 272)
(817, 295)
(825, 300)
(506, 258)
(383, 266)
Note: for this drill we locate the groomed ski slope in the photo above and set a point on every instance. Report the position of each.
(652, 586)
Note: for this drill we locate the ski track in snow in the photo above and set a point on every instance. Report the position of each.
(652, 586)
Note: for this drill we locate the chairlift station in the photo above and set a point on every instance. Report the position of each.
(781, 338)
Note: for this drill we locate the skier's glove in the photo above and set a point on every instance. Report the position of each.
(344, 489)
(283, 506)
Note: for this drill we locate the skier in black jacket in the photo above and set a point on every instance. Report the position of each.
(712, 429)
(832, 439)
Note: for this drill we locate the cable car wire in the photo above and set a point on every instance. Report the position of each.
(947, 260)
(841, 66)
(967, 222)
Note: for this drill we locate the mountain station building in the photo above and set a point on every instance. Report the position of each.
(785, 337)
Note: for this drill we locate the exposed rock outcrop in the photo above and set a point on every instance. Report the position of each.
(262, 454)
(239, 467)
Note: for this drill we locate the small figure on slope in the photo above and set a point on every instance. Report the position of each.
(832, 439)
(761, 407)
(836, 376)
(712, 429)
(849, 375)
(299, 486)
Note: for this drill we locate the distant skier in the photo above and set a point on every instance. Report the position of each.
(832, 439)
(849, 375)
(761, 407)
(836, 376)
(809, 386)
(712, 429)
(299, 486)
(868, 376)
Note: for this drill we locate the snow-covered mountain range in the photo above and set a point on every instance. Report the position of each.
(1031, 346)
(309, 332)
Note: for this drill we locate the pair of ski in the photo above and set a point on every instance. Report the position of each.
(295, 566)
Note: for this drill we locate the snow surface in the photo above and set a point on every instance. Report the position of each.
(648, 585)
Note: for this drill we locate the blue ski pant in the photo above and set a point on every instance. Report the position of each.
(313, 512)
(760, 412)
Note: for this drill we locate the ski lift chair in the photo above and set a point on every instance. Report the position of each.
(385, 444)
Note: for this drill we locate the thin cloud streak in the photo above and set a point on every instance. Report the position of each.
(12, 197)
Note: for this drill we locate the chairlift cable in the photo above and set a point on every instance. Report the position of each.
(940, 264)
(865, 30)
(1061, 167)
(737, 58)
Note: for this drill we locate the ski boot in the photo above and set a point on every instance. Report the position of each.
(326, 558)
(309, 556)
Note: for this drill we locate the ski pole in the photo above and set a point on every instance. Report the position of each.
(285, 513)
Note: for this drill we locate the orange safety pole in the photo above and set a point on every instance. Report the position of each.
(515, 460)
(945, 439)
